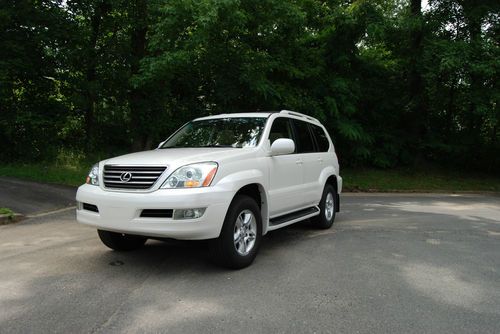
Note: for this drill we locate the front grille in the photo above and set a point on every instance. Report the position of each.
(131, 177)
(157, 213)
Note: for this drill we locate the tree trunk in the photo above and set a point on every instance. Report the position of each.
(450, 112)
(101, 9)
(494, 131)
(416, 107)
(474, 18)
(415, 79)
(137, 97)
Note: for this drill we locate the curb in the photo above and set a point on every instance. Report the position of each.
(419, 191)
(43, 214)
(10, 219)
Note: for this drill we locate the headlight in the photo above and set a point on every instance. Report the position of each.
(192, 176)
(93, 177)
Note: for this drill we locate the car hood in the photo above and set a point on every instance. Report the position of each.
(176, 156)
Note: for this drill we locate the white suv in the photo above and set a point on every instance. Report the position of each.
(229, 178)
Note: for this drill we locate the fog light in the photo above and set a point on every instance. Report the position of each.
(188, 213)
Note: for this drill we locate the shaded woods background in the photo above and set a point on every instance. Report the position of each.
(397, 85)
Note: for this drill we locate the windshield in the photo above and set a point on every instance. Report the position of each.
(220, 132)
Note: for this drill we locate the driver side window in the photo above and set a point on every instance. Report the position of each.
(281, 128)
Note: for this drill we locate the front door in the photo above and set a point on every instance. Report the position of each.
(285, 173)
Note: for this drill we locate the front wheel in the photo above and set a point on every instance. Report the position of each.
(327, 208)
(121, 241)
(239, 240)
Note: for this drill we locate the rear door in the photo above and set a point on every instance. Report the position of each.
(285, 173)
(312, 163)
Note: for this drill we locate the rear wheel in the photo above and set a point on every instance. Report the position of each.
(239, 240)
(121, 241)
(327, 208)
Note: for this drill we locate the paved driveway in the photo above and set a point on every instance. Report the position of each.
(391, 263)
(34, 198)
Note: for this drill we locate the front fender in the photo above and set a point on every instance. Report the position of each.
(235, 181)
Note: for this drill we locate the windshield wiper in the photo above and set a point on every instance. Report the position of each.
(214, 146)
(223, 146)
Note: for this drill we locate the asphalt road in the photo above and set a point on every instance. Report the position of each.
(391, 264)
(29, 198)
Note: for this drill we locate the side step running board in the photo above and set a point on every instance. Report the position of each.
(293, 216)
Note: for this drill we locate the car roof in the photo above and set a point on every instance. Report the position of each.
(265, 115)
(245, 114)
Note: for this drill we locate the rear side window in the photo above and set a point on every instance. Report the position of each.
(321, 139)
(304, 140)
(281, 128)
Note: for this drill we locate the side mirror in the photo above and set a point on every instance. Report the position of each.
(282, 146)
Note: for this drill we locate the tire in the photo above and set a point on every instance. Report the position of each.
(121, 241)
(327, 207)
(243, 217)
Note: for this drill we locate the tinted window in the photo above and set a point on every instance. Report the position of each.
(281, 128)
(304, 139)
(321, 138)
(219, 132)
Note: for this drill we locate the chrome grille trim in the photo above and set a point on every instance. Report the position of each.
(124, 171)
(143, 177)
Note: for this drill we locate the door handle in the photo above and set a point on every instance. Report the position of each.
(299, 162)
(320, 160)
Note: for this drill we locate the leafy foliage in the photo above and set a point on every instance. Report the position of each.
(394, 84)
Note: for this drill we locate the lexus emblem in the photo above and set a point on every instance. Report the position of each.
(125, 177)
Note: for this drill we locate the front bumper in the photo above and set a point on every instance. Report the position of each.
(120, 211)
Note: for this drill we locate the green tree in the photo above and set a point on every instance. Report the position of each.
(395, 84)
(31, 101)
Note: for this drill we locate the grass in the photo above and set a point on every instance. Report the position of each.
(68, 175)
(6, 211)
(430, 180)
(9, 216)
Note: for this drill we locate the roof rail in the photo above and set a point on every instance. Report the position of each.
(298, 114)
